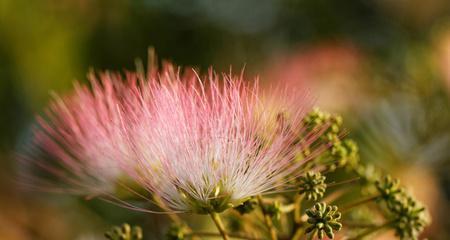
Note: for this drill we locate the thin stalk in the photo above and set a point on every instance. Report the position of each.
(335, 184)
(231, 235)
(216, 218)
(358, 203)
(298, 224)
(298, 209)
(267, 220)
(358, 224)
(334, 196)
(371, 231)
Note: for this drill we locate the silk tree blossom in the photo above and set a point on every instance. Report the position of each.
(83, 134)
(197, 144)
(207, 144)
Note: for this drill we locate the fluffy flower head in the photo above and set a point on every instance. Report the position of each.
(205, 144)
(200, 144)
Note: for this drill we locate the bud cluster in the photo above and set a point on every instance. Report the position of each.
(409, 217)
(343, 152)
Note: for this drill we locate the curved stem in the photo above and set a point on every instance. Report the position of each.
(216, 218)
(267, 220)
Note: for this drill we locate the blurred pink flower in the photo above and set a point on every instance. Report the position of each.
(83, 134)
(327, 69)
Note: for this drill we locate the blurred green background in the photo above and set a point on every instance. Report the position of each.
(383, 64)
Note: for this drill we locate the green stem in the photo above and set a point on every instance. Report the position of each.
(216, 218)
(267, 220)
(371, 231)
(335, 195)
(358, 225)
(298, 209)
(352, 180)
(298, 225)
(287, 208)
(358, 203)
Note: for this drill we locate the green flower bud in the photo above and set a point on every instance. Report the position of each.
(312, 185)
(390, 190)
(317, 119)
(323, 219)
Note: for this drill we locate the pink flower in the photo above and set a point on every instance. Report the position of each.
(199, 144)
(207, 144)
